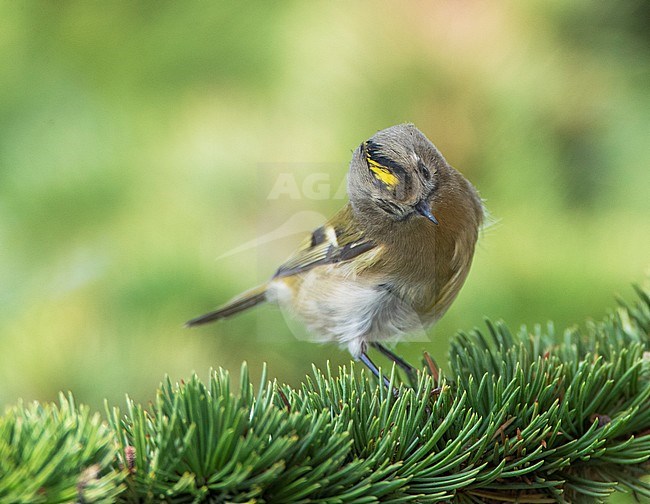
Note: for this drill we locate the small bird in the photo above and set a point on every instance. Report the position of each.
(391, 261)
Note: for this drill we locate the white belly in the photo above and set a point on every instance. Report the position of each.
(335, 306)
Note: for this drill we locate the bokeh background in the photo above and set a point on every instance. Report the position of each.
(140, 142)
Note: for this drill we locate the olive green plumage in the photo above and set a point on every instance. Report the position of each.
(391, 261)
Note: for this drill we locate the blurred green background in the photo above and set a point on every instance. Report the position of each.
(141, 141)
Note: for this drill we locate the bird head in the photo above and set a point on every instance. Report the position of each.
(394, 174)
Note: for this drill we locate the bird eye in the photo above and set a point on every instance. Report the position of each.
(424, 170)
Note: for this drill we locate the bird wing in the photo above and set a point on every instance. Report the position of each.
(338, 240)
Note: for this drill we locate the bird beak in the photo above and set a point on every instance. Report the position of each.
(424, 209)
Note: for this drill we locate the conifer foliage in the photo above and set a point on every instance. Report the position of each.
(528, 417)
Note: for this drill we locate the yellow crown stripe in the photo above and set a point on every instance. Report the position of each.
(382, 173)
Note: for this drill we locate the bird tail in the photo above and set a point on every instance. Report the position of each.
(242, 302)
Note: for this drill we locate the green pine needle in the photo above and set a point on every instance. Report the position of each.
(51, 453)
(531, 417)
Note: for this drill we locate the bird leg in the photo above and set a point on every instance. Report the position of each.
(405, 366)
(375, 370)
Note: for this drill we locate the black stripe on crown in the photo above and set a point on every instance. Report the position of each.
(373, 152)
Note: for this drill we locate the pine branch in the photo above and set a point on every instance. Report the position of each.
(56, 453)
(529, 417)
